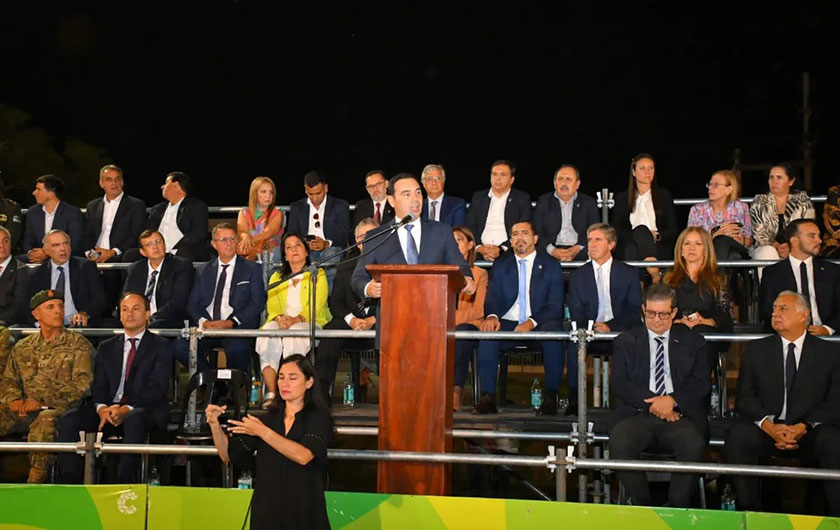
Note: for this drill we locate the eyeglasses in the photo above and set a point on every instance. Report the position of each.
(228, 239)
(662, 315)
(715, 185)
(374, 186)
(433, 179)
(317, 222)
(152, 243)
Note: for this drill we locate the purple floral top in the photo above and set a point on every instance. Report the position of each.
(735, 212)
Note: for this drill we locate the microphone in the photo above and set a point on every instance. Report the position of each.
(407, 219)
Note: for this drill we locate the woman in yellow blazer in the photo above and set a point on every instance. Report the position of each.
(288, 307)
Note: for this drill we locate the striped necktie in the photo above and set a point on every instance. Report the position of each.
(659, 366)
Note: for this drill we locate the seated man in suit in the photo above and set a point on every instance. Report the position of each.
(14, 279)
(128, 394)
(375, 207)
(77, 278)
(46, 375)
(325, 221)
(788, 401)
(164, 279)
(228, 292)
(604, 291)
(493, 211)
(446, 209)
(803, 272)
(181, 218)
(660, 379)
(50, 213)
(349, 312)
(563, 215)
(524, 293)
(112, 224)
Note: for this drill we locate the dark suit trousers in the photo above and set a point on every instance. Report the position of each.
(134, 428)
(630, 437)
(238, 352)
(463, 354)
(488, 357)
(326, 361)
(642, 245)
(747, 444)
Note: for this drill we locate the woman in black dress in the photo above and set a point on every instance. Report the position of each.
(291, 448)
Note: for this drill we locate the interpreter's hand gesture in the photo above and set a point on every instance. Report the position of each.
(212, 413)
(250, 425)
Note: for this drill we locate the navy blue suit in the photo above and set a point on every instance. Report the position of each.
(548, 219)
(172, 292)
(247, 298)
(145, 391)
(67, 218)
(625, 296)
(453, 211)
(336, 222)
(85, 287)
(546, 297)
(779, 277)
(128, 223)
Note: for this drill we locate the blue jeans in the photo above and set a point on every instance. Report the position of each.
(323, 257)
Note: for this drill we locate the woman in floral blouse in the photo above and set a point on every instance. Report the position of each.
(725, 217)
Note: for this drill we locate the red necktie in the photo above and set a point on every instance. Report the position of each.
(377, 216)
(131, 353)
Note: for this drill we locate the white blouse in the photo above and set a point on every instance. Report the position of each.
(643, 213)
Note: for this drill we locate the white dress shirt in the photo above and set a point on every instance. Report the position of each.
(494, 229)
(152, 302)
(382, 205)
(606, 268)
(169, 226)
(416, 231)
(49, 217)
(797, 354)
(5, 265)
(109, 212)
(643, 213)
(126, 349)
(652, 345)
(812, 294)
(439, 202)
(513, 312)
(226, 309)
(69, 306)
(319, 230)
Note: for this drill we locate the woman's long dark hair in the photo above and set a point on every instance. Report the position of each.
(285, 268)
(631, 187)
(313, 396)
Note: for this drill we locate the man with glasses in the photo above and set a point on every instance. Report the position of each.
(660, 379)
(324, 221)
(446, 209)
(164, 279)
(375, 207)
(228, 293)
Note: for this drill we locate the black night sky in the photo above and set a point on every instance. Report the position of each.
(231, 90)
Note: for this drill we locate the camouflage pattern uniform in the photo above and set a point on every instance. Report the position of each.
(5, 346)
(56, 373)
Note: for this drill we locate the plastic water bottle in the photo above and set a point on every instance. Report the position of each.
(245, 481)
(154, 477)
(536, 394)
(715, 402)
(727, 500)
(349, 391)
(256, 386)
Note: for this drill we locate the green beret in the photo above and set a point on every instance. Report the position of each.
(42, 296)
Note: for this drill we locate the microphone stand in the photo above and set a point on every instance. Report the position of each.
(313, 267)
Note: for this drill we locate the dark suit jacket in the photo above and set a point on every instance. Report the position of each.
(625, 296)
(67, 218)
(779, 277)
(343, 300)
(247, 296)
(548, 218)
(545, 292)
(85, 286)
(128, 223)
(147, 382)
(14, 303)
(518, 208)
(816, 387)
(437, 247)
(689, 374)
(173, 289)
(453, 211)
(336, 222)
(192, 222)
(364, 209)
(666, 219)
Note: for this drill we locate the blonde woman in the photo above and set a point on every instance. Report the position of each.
(725, 217)
(260, 225)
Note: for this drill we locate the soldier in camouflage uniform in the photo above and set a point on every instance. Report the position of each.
(5, 346)
(46, 375)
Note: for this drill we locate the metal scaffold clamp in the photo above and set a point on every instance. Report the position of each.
(186, 333)
(551, 460)
(609, 201)
(570, 458)
(582, 335)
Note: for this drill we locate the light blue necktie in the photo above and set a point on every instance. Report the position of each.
(411, 256)
(659, 366)
(602, 296)
(523, 291)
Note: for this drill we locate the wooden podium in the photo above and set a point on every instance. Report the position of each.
(417, 364)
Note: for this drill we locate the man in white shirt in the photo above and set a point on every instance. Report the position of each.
(788, 402)
(50, 213)
(181, 218)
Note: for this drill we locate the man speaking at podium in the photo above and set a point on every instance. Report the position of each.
(417, 241)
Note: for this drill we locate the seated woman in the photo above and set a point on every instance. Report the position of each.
(702, 295)
(831, 220)
(771, 212)
(645, 217)
(725, 217)
(289, 308)
(470, 311)
(260, 225)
